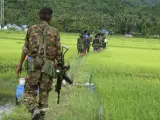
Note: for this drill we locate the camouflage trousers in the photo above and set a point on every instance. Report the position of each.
(37, 82)
(80, 49)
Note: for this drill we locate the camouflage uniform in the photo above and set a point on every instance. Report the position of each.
(80, 45)
(96, 44)
(36, 79)
(100, 41)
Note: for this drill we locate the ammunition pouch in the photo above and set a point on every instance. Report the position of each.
(38, 62)
(49, 69)
(30, 65)
(33, 63)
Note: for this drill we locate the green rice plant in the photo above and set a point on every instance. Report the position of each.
(75, 102)
(126, 78)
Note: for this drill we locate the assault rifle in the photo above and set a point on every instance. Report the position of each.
(62, 72)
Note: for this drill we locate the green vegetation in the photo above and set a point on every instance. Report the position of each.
(126, 76)
(140, 17)
(72, 99)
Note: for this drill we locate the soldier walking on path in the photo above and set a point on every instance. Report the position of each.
(80, 45)
(42, 48)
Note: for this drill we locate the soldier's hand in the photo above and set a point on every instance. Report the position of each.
(18, 69)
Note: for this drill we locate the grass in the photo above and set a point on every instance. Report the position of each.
(126, 76)
(72, 98)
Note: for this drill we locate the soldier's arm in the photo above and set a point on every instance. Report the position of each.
(23, 55)
(25, 49)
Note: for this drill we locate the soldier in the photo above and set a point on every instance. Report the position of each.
(85, 38)
(89, 42)
(102, 38)
(42, 47)
(101, 41)
(80, 45)
(104, 41)
(96, 42)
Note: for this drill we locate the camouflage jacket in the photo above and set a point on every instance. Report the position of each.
(34, 39)
(96, 43)
(80, 42)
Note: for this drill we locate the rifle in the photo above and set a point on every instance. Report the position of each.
(62, 72)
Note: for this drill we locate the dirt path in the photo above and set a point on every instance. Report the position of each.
(55, 111)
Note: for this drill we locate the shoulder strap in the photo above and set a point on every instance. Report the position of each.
(43, 39)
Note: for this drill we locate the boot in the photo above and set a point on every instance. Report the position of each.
(36, 114)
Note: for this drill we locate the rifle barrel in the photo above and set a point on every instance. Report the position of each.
(66, 78)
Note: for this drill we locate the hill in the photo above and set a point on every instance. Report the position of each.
(118, 16)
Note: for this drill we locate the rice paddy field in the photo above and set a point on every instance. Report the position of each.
(126, 78)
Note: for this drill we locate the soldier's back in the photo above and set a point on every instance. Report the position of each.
(36, 36)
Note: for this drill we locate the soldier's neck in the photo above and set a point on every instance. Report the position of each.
(44, 22)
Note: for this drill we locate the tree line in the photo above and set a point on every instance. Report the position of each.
(117, 16)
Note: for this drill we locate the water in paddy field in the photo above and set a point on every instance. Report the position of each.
(5, 109)
(6, 105)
